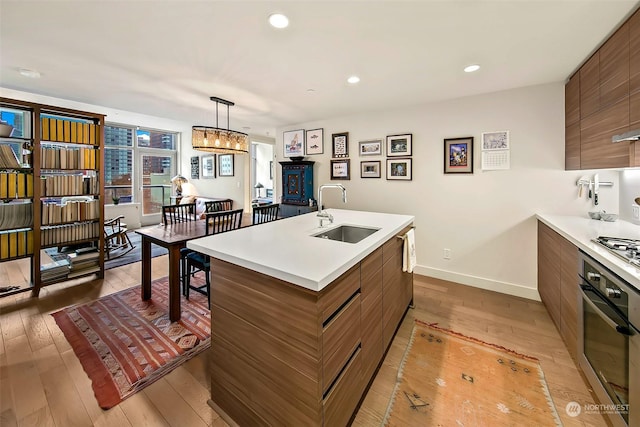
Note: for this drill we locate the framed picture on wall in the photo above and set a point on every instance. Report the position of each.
(458, 155)
(399, 145)
(195, 167)
(340, 143)
(370, 169)
(314, 141)
(225, 164)
(293, 143)
(399, 169)
(340, 169)
(209, 166)
(370, 148)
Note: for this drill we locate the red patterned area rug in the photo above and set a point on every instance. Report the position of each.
(449, 379)
(124, 344)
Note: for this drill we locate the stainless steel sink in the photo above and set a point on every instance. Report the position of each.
(347, 233)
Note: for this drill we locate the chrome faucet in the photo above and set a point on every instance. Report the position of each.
(322, 214)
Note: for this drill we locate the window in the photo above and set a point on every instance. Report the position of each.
(154, 151)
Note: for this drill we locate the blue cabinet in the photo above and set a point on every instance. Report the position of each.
(297, 182)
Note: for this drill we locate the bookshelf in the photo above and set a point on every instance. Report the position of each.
(51, 193)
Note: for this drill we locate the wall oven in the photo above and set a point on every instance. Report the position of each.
(609, 340)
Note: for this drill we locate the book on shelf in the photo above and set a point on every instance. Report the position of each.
(83, 271)
(44, 125)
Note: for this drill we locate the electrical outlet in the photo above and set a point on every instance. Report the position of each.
(447, 253)
(635, 212)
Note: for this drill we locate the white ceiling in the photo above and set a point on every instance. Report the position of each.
(166, 58)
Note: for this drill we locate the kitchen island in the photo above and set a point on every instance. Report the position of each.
(301, 323)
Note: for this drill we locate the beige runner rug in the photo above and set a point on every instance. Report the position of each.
(448, 379)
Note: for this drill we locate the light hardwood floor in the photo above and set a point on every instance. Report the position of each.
(43, 384)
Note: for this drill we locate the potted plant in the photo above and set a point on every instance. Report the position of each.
(116, 199)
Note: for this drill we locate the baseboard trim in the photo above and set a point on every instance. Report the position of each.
(479, 282)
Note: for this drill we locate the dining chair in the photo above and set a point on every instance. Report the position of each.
(217, 222)
(218, 205)
(266, 213)
(116, 239)
(172, 214)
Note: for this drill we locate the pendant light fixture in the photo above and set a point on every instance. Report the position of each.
(217, 140)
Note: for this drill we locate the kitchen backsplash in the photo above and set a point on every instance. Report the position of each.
(629, 191)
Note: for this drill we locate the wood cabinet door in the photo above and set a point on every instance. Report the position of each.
(634, 53)
(572, 100)
(596, 149)
(569, 295)
(590, 86)
(572, 147)
(549, 271)
(614, 67)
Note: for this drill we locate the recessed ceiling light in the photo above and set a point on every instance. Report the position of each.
(311, 90)
(29, 73)
(278, 20)
(471, 68)
(353, 80)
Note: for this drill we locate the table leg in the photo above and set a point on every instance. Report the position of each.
(146, 268)
(174, 283)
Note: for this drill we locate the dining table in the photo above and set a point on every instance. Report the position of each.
(173, 237)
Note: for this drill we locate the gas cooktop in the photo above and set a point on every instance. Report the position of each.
(626, 249)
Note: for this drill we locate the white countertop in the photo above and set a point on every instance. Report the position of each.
(286, 249)
(580, 231)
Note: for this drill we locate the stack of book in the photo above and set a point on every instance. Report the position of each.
(54, 271)
(82, 262)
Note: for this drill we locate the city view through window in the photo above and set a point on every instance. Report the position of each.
(154, 152)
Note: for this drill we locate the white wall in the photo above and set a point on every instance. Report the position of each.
(487, 219)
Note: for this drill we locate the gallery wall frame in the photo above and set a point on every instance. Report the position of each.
(314, 141)
(340, 169)
(458, 155)
(293, 141)
(225, 165)
(400, 145)
(340, 144)
(370, 169)
(370, 148)
(209, 166)
(195, 167)
(399, 169)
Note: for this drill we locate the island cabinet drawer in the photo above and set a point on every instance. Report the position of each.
(340, 337)
(370, 273)
(393, 246)
(340, 402)
(337, 292)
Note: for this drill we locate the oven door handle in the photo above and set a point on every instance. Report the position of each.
(624, 330)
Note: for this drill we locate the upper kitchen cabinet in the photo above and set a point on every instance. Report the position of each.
(572, 123)
(590, 86)
(607, 88)
(614, 68)
(634, 71)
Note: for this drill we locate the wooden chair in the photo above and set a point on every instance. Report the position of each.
(218, 206)
(218, 222)
(266, 213)
(116, 239)
(172, 214)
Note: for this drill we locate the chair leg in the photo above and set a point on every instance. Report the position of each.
(187, 282)
(207, 273)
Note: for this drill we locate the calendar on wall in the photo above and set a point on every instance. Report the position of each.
(195, 167)
(496, 150)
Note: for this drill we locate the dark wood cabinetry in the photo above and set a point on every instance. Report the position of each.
(558, 283)
(607, 88)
